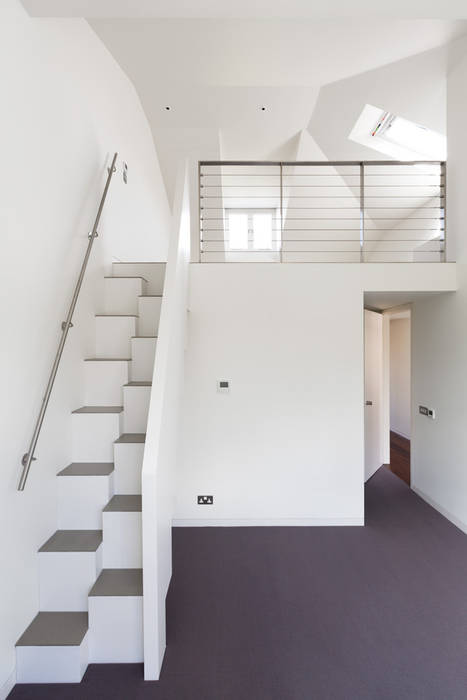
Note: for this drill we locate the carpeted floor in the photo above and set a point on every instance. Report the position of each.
(373, 613)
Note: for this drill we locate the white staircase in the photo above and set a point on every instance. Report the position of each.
(90, 575)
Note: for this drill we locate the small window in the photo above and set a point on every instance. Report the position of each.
(250, 229)
(238, 231)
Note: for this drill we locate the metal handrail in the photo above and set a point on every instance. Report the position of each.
(28, 457)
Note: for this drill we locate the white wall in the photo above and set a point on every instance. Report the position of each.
(285, 446)
(399, 373)
(67, 107)
(439, 337)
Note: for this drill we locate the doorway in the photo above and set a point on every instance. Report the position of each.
(387, 396)
(400, 423)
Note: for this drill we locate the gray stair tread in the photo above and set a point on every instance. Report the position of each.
(131, 437)
(87, 469)
(150, 296)
(99, 409)
(125, 277)
(73, 541)
(124, 503)
(55, 629)
(116, 315)
(138, 384)
(108, 359)
(142, 337)
(118, 582)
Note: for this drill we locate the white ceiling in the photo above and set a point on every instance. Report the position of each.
(264, 52)
(247, 8)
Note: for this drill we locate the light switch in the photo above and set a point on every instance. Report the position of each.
(223, 386)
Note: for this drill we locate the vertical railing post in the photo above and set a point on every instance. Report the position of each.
(199, 213)
(281, 258)
(362, 211)
(443, 178)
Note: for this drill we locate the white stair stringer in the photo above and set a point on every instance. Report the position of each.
(116, 617)
(143, 351)
(90, 575)
(121, 294)
(149, 311)
(136, 397)
(128, 459)
(113, 335)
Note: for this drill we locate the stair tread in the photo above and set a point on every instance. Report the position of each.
(99, 409)
(138, 384)
(124, 503)
(55, 629)
(87, 469)
(131, 437)
(118, 582)
(150, 296)
(142, 337)
(140, 262)
(73, 541)
(108, 359)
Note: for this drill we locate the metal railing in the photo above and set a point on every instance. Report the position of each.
(346, 211)
(66, 325)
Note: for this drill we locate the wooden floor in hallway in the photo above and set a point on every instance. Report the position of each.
(400, 457)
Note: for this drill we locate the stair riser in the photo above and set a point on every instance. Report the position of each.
(121, 295)
(103, 382)
(93, 435)
(136, 407)
(81, 500)
(143, 351)
(122, 540)
(128, 459)
(52, 664)
(149, 310)
(113, 334)
(65, 579)
(154, 273)
(115, 629)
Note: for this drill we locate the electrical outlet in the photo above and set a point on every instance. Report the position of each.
(205, 500)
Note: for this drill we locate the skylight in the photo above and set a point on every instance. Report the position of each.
(397, 137)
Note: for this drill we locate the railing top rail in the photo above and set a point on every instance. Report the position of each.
(321, 162)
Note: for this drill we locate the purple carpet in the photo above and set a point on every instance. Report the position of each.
(373, 613)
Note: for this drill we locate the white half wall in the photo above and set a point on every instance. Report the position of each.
(163, 433)
(68, 107)
(399, 376)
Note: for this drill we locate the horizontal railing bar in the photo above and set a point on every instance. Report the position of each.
(357, 187)
(325, 163)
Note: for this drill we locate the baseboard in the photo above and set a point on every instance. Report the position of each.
(452, 518)
(267, 522)
(398, 432)
(8, 686)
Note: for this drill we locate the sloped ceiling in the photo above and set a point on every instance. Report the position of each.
(217, 74)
